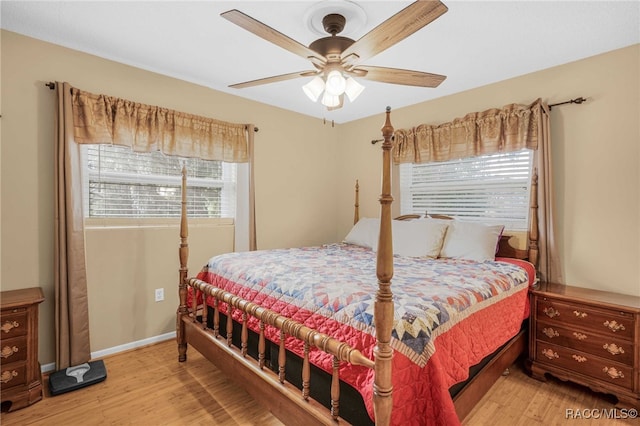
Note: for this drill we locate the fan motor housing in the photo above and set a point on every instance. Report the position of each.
(331, 47)
(334, 23)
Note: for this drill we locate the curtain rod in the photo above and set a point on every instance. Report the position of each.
(51, 85)
(572, 101)
(375, 141)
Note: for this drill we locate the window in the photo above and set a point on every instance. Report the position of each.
(492, 189)
(120, 183)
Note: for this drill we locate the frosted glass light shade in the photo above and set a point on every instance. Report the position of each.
(335, 83)
(314, 88)
(330, 100)
(353, 88)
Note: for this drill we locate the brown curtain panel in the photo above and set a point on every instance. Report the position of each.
(86, 118)
(71, 303)
(510, 128)
(549, 262)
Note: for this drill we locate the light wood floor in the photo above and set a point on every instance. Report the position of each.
(148, 386)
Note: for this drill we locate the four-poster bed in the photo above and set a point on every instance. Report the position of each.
(212, 328)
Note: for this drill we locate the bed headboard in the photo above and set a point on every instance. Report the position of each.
(505, 249)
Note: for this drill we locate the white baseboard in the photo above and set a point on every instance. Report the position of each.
(117, 349)
(45, 368)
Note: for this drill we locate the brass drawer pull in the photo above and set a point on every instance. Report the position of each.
(550, 312)
(550, 332)
(550, 354)
(578, 358)
(613, 373)
(7, 326)
(580, 314)
(613, 325)
(8, 375)
(8, 351)
(613, 349)
(579, 336)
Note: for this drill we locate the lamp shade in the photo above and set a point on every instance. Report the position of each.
(353, 88)
(330, 100)
(336, 83)
(314, 88)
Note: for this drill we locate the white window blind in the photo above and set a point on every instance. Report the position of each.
(120, 183)
(492, 189)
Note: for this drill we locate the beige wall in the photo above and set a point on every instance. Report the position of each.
(122, 308)
(300, 165)
(294, 190)
(596, 159)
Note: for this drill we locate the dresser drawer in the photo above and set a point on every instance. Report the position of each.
(584, 340)
(12, 350)
(14, 323)
(13, 374)
(586, 364)
(608, 322)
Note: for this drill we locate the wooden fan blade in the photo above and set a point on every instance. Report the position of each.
(274, 79)
(397, 28)
(271, 35)
(404, 77)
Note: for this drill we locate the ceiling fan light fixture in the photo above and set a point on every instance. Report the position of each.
(314, 88)
(337, 58)
(353, 89)
(329, 100)
(335, 84)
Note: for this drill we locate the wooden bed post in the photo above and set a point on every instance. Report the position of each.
(383, 308)
(356, 211)
(533, 222)
(182, 285)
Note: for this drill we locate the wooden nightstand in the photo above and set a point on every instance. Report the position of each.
(586, 336)
(20, 380)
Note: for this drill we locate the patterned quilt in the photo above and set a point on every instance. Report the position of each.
(332, 289)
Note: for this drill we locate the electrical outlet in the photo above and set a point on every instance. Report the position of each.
(159, 294)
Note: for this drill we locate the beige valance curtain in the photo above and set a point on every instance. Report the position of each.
(106, 119)
(83, 118)
(511, 128)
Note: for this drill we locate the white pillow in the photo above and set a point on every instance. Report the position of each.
(364, 233)
(471, 240)
(418, 238)
(413, 238)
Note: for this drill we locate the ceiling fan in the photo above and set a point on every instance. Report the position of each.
(338, 59)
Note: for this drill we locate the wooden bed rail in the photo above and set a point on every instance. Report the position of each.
(324, 342)
(342, 352)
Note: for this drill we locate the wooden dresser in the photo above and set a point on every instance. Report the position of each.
(20, 380)
(587, 336)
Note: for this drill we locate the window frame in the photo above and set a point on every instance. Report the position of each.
(514, 223)
(228, 169)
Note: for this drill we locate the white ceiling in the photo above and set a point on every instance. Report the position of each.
(475, 43)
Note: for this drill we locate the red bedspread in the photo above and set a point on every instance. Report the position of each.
(461, 331)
